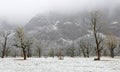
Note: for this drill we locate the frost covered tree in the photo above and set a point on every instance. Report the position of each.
(38, 50)
(20, 40)
(111, 44)
(4, 43)
(29, 42)
(85, 45)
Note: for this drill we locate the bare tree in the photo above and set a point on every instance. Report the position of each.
(71, 50)
(4, 43)
(39, 48)
(111, 44)
(85, 45)
(29, 42)
(96, 26)
(20, 40)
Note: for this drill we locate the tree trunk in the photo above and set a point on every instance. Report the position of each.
(39, 52)
(72, 54)
(28, 52)
(98, 53)
(97, 44)
(4, 47)
(87, 52)
(83, 51)
(24, 53)
(3, 53)
(112, 52)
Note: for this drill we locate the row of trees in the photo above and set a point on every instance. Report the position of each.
(95, 44)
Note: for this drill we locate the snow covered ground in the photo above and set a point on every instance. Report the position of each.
(55, 65)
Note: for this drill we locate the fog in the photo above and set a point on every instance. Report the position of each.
(21, 11)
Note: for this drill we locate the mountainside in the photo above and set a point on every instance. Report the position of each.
(56, 26)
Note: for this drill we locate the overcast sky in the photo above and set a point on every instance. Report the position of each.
(21, 11)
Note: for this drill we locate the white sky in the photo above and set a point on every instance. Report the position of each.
(21, 11)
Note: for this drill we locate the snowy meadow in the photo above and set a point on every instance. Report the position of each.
(106, 64)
